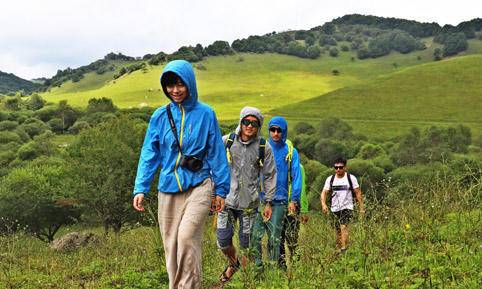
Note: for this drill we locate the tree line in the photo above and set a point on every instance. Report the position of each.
(366, 36)
(44, 186)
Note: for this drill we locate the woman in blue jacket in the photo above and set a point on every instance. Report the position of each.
(183, 139)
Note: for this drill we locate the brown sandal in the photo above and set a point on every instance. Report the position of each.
(234, 268)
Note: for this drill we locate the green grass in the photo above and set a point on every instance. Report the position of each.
(428, 238)
(438, 93)
(378, 96)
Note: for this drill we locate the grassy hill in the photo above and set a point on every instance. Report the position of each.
(305, 89)
(444, 92)
(12, 83)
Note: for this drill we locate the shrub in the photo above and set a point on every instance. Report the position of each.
(305, 144)
(369, 176)
(56, 125)
(8, 125)
(303, 127)
(102, 104)
(313, 51)
(34, 126)
(32, 197)
(370, 151)
(9, 136)
(79, 126)
(334, 52)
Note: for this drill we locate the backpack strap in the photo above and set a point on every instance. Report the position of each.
(229, 143)
(331, 183)
(288, 158)
(261, 154)
(350, 183)
(173, 126)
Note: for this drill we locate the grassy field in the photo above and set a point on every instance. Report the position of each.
(428, 238)
(437, 93)
(375, 95)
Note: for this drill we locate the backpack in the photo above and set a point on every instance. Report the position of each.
(349, 183)
(288, 158)
(261, 153)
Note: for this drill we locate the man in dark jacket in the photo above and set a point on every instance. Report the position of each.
(287, 195)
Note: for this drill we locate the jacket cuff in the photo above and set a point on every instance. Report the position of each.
(221, 193)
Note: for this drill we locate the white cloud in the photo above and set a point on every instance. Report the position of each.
(39, 37)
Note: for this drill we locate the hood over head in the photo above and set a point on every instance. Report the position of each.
(184, 70)
(247, 110)
(281, 123)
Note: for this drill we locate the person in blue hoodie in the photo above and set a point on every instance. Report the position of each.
(184, 140)
(287, 195)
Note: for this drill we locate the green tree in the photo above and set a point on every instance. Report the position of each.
(8, 125)
(56, 125)
(41, 145)
(454, 43)
(370, 151)
(35, 102)
(304, 127)
(105, 161)
(437, 54)
(37, 198)
(327, 150)
(369, 176)
(335, 129)
(305, 144)
(333, 52)
(13, 103)
(219, 48)
(102, 104)
(67, 114)
(313, 51)
(363, 52)
(79, 126)
(34, 126)
(328, 28)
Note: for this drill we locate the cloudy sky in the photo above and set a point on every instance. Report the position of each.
(39, 37)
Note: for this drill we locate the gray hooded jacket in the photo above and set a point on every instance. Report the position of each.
(245, 171)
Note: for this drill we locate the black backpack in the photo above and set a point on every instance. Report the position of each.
(262, 147)
(349, 183)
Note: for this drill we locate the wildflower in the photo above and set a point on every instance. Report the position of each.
(407, 226)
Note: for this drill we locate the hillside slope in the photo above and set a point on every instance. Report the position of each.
(12, 83)
(448, 91)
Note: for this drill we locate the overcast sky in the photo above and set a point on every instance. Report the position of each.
(39, 37)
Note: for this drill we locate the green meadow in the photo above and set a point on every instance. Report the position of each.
(427, 239)
(379, 97)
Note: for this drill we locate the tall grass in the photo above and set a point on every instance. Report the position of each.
(421, 235)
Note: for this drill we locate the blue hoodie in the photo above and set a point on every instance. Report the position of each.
(280, 149)
(199, 135)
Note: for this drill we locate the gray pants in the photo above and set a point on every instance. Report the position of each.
(181, 220)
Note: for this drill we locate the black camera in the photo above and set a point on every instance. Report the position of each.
(191, 163)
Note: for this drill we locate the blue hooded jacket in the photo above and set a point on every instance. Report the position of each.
(280, 150)
(199, 135)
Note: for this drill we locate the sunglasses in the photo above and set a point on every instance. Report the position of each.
(275, 129)
(338, 167)
(247, 122)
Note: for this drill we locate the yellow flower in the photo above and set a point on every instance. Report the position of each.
(407, 226)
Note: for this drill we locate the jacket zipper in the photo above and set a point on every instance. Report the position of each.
(179, 154)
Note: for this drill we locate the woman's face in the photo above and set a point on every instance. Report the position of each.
(177, 91)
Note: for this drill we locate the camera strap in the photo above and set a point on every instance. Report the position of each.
(173, 126)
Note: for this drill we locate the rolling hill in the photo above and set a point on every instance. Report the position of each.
(377, 96)
(442, 93)
(10, 83)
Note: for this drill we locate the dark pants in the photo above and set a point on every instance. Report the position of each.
(289, 234)
(273, 228)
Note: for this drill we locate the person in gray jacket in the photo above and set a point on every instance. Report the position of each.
(252, 165)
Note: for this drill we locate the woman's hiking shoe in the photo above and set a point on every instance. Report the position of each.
(234, 268)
